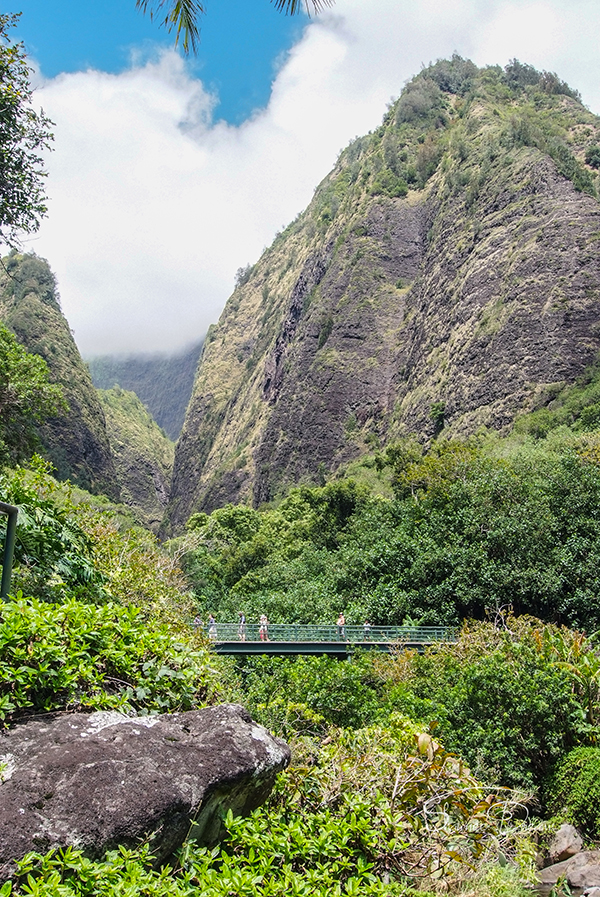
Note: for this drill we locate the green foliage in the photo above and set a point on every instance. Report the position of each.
(373, 813)
(23, 135)
(520, 76)
(533, 128)
(53, 553)
(455, 75)
(311, 693)
(387, 183)
(26, 397)
(473, 526)
(79, 656)
(499, 698)
(592, 156)
(574, 793)
(69, 549)
(421, 99)
(576, 405)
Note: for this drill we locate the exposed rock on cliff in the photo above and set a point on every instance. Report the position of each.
(143, 455)
(446, 273)
(96, 781)
(76, 442)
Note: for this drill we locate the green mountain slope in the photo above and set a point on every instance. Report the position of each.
(163, 383)
(76, 441)
(143, 455)
(445, 275)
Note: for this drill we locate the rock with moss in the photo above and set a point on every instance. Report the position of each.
(97, 781)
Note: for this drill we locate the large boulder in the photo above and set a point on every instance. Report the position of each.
(566, 843)
(98, 780)
(580, 872)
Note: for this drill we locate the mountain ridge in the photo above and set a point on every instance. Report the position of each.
(445, 274)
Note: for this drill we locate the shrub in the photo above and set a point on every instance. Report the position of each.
(574, 792)
(83, 657)
(592, 156)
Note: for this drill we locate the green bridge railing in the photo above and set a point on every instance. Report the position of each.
(301, 632)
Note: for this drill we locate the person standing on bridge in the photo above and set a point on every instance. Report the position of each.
(341, 627)
(212, 628)
(366, 631)
(242, 626)
(263, 629)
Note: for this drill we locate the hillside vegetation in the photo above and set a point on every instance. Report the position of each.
(445, 273)
(142, 454)
(373, 804)
(407, 439)
(74, 438)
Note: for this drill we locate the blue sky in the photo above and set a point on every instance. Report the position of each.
(242, 43)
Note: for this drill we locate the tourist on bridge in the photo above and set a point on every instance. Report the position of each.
(341, 627)
(263, 629)
(212, 628)
(366, 631)
(242, 626)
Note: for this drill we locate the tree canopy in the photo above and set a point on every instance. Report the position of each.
(26, 396)
(23, 134)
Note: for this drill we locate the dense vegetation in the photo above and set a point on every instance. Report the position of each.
(72, 436)
(517, 699)
(24, 134)
(142, 454)
(27, 397)
(469, 527)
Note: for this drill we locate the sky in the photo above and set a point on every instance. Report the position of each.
(167, 175)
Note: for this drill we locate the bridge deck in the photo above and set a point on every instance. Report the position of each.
(332, 649)
(298, 638)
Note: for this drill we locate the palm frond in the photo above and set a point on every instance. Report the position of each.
(179, 15)
(292, 7)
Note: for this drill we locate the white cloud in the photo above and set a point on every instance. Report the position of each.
(153, 206)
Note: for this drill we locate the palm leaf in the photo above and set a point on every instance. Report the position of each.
(292, 7)
(181, 15)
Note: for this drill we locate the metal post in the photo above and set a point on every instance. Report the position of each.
(9, 547)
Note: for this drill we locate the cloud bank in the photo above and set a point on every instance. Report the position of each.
(154, 205)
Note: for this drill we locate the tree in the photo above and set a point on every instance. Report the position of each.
(184, 15)
(23, 134)
(26, 397)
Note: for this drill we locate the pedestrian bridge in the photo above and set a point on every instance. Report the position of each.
(300, 638)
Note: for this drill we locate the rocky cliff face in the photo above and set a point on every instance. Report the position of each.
(445, 275)
(76, 442)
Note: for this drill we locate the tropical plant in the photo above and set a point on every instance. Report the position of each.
(77, 656)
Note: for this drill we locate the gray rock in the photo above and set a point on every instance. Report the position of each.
(566, 843)
(581, 871)
(98, 780)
